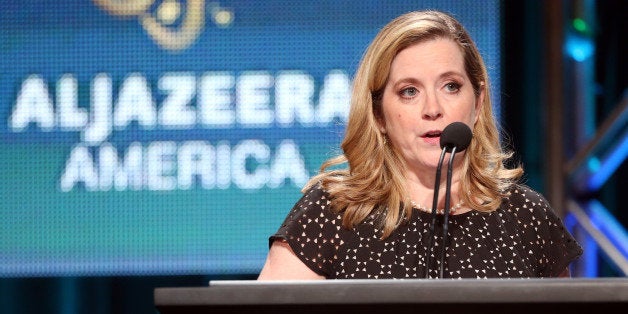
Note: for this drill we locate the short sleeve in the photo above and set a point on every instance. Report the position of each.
(312, 231)
(544, 233)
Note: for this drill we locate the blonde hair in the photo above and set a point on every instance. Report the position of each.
(374, 180)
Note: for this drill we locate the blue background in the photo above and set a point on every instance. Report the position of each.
(47, 232)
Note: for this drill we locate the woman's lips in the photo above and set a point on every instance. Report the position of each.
(432, 137)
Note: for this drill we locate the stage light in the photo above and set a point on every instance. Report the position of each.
(580, 25)
(579, 48)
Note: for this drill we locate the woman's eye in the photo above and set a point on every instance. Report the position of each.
(452, 87)
(408, 92)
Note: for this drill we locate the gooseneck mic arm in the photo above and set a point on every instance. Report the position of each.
(446, 211)
(433, 217)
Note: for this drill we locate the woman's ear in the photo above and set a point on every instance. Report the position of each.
(380, 124)
(479, 102)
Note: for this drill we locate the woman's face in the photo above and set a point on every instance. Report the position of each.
(427, 89)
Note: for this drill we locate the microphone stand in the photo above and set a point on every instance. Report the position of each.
(434, 208)
(446, 213)
(456, 135)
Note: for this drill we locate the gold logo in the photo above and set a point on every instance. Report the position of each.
(173, 24)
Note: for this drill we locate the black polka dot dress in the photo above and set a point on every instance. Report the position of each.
(522, 239)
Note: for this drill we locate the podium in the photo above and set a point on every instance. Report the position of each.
(391, 296)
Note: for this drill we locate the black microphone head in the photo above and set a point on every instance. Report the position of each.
(456, 134)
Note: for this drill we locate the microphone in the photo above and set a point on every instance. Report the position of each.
(456, 137)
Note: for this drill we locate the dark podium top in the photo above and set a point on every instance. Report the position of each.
(506, 296)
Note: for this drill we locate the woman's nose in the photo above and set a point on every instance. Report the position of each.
(431, 109)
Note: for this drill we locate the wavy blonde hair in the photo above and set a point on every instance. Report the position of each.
(374, 181)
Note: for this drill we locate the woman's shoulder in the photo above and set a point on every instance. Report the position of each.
(528, 204)
(521, 194)
(315, 202)
(315, 196)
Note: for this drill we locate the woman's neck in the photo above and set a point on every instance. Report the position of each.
(421, 189)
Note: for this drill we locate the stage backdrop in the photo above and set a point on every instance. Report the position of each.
(172, 137)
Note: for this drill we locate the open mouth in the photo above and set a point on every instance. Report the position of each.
(432, 134)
